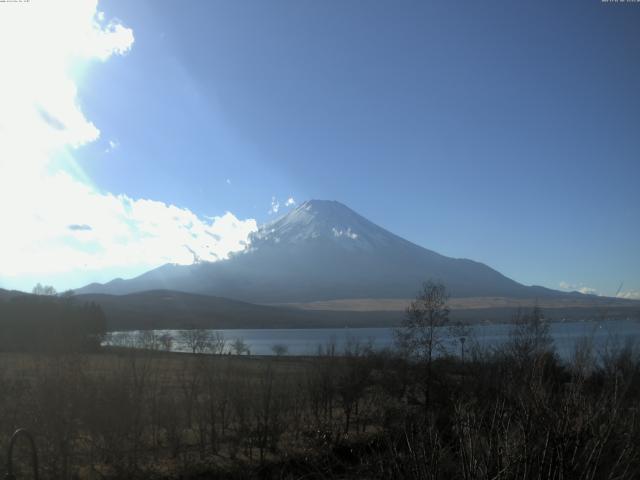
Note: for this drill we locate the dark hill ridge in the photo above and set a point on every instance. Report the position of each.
(164, 309)
(323, 250)
(9, 294)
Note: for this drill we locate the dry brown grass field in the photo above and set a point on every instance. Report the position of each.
(400, 304)
(517, 413)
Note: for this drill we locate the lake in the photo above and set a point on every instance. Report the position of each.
(607, 334)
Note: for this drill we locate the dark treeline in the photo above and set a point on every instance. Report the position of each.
(47, 323)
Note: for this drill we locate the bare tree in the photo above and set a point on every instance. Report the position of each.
(217, 343)
(239, 346)
(198, 340)
(279, 349)
(166, 342)
(148, 340)
(353, 377)
(421, 332)
(530, 336)
(47, 290)
(120, 339)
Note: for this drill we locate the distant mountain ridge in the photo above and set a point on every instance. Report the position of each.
(164, 309)
(323, 250)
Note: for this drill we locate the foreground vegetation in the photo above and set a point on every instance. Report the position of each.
(513, 413)
(413, 412)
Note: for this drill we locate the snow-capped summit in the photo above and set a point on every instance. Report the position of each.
(323, 221)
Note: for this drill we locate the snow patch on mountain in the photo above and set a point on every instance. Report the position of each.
(346, 233)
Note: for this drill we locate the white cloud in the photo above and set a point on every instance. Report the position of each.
(113, 144)
(630, 295)
(54, 221)
(588, 291)
(228, 181)
(117, 231)
(275, 206)
(290, 202)
(579, 287)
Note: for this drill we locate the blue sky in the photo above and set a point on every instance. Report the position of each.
(505, 132)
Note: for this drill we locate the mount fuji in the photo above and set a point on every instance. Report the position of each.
(323, 250)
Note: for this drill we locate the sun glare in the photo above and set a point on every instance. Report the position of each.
(46, 46)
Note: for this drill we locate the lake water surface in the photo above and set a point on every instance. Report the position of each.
(605, 335)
